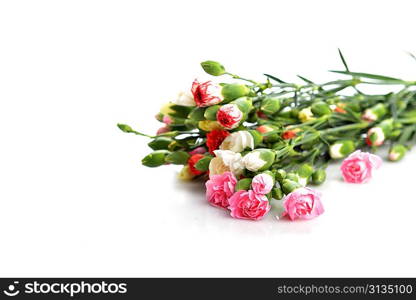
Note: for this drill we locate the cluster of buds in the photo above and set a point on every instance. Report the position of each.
(258, 142)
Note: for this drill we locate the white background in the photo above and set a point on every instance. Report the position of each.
(74, 199)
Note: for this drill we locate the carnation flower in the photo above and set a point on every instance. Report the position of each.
(248, 205)
(238, 141)
(229, 116)
(206, 93)
(226, 161)
(220, 188)
(262, 183)
(192, 162)
(184, 99)
(215, 138)
(303, 203)
(358, 167)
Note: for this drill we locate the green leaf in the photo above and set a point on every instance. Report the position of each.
(370, 76)
(305, 79)
(203, 164)
(274, 78)
(343, 60)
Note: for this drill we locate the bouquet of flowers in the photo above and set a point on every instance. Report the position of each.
(259, 142)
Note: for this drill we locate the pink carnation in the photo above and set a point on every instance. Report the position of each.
(303, 203)
(262, 184)
(220, 188)
(248, 205)
(358, 166)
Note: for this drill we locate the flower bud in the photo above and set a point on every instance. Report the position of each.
(305, 115)
(296, 178)
(305, 170)
(268, 134)
(341, 149)
(374, 113)
(270, 105)
(229, 116)
(233, 91)
(155, 159)
(166, 109)
(244, 104)
(397, 152)
(160, 143)
(319, 176)
(289, 186)
(185, 174)
(280, 175)
(320, 108)
(277, 193)
(197, 114)
(258, 160)
(243, 184)
(208, 125)
(377, 135)
(211, 112)
(178, 158)
(213, 68)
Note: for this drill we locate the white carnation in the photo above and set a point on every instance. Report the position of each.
(238, 141)
(252, 161)
(226, 160)
(185, 99)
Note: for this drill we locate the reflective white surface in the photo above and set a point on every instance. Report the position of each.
(74, 200)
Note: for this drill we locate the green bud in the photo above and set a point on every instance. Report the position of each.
(178, 158)
(280, 175)
(203, 164)
(277, 193)
(270, 105)
(234, 91)
(243, 184)
(244, 104)
(387, 126)
(289, 186)
(213, 68)
(257, 137)
(320, 108)
(319, 176)
(397, 152)
(125, 128)
(305, 170)
(160, 143)
(197, 114)
(211, 112)
(292, 176)
(155, 159)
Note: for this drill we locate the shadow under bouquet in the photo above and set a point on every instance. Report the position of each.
(259, 142)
